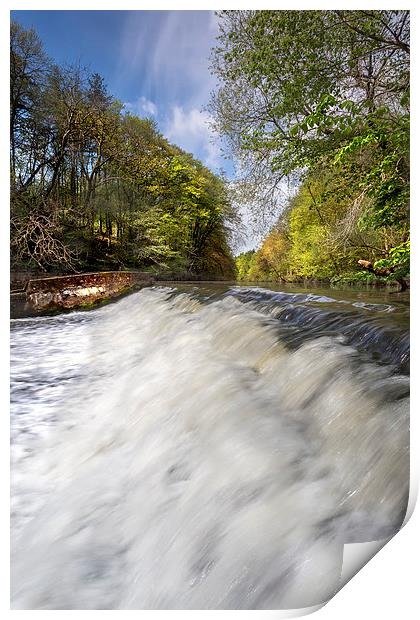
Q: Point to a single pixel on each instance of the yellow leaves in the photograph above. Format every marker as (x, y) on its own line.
(154, 189)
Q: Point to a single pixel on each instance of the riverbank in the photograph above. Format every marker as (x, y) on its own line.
(338, 282)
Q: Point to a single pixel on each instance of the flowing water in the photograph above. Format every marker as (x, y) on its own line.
(205, 447)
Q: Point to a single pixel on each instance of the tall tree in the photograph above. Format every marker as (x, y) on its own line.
(29, 69)
(298, 86)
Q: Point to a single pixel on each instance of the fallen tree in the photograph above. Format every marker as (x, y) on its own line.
(385, 271)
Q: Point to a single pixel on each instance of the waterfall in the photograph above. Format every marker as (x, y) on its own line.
(190, 448)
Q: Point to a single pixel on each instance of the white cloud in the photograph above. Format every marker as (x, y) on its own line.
(190, 130)
(167, 52)
(142, 107)
(165, 55)
(148, 106)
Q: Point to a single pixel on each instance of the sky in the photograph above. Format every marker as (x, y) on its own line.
(155, 62)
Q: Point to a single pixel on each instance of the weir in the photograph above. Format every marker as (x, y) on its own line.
(203, 447)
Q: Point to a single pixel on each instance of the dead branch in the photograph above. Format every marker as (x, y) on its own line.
(35, 237)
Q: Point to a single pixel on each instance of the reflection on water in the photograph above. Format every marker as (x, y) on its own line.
(205, 446)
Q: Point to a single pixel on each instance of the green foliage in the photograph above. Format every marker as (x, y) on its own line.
(383, 152)
(308, 242)
(398, 261)
(358, 277)
(286, 78)
(323, 95)
(123, 195)
(243, 264)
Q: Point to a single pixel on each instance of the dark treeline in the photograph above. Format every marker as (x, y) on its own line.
(95, 187)
(323, 96)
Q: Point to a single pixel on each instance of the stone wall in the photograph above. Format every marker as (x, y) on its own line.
(81, 289)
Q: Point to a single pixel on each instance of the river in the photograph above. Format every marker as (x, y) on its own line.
(205, 446)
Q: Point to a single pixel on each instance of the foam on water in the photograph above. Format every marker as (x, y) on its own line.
(171, 454)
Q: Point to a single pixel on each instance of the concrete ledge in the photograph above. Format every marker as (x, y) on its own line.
(82, 289)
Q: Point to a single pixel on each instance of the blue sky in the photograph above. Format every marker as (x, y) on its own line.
(155, 62)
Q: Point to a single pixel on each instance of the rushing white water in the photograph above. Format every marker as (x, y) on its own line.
(174, 454)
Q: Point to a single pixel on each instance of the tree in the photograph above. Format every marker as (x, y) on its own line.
(308, 92)
(95, 187)
(299, 85)
(29, 69)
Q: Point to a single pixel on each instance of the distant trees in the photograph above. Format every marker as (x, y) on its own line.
(92, 186)
(323, 95)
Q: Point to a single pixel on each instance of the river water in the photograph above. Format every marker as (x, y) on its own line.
(205, 446)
